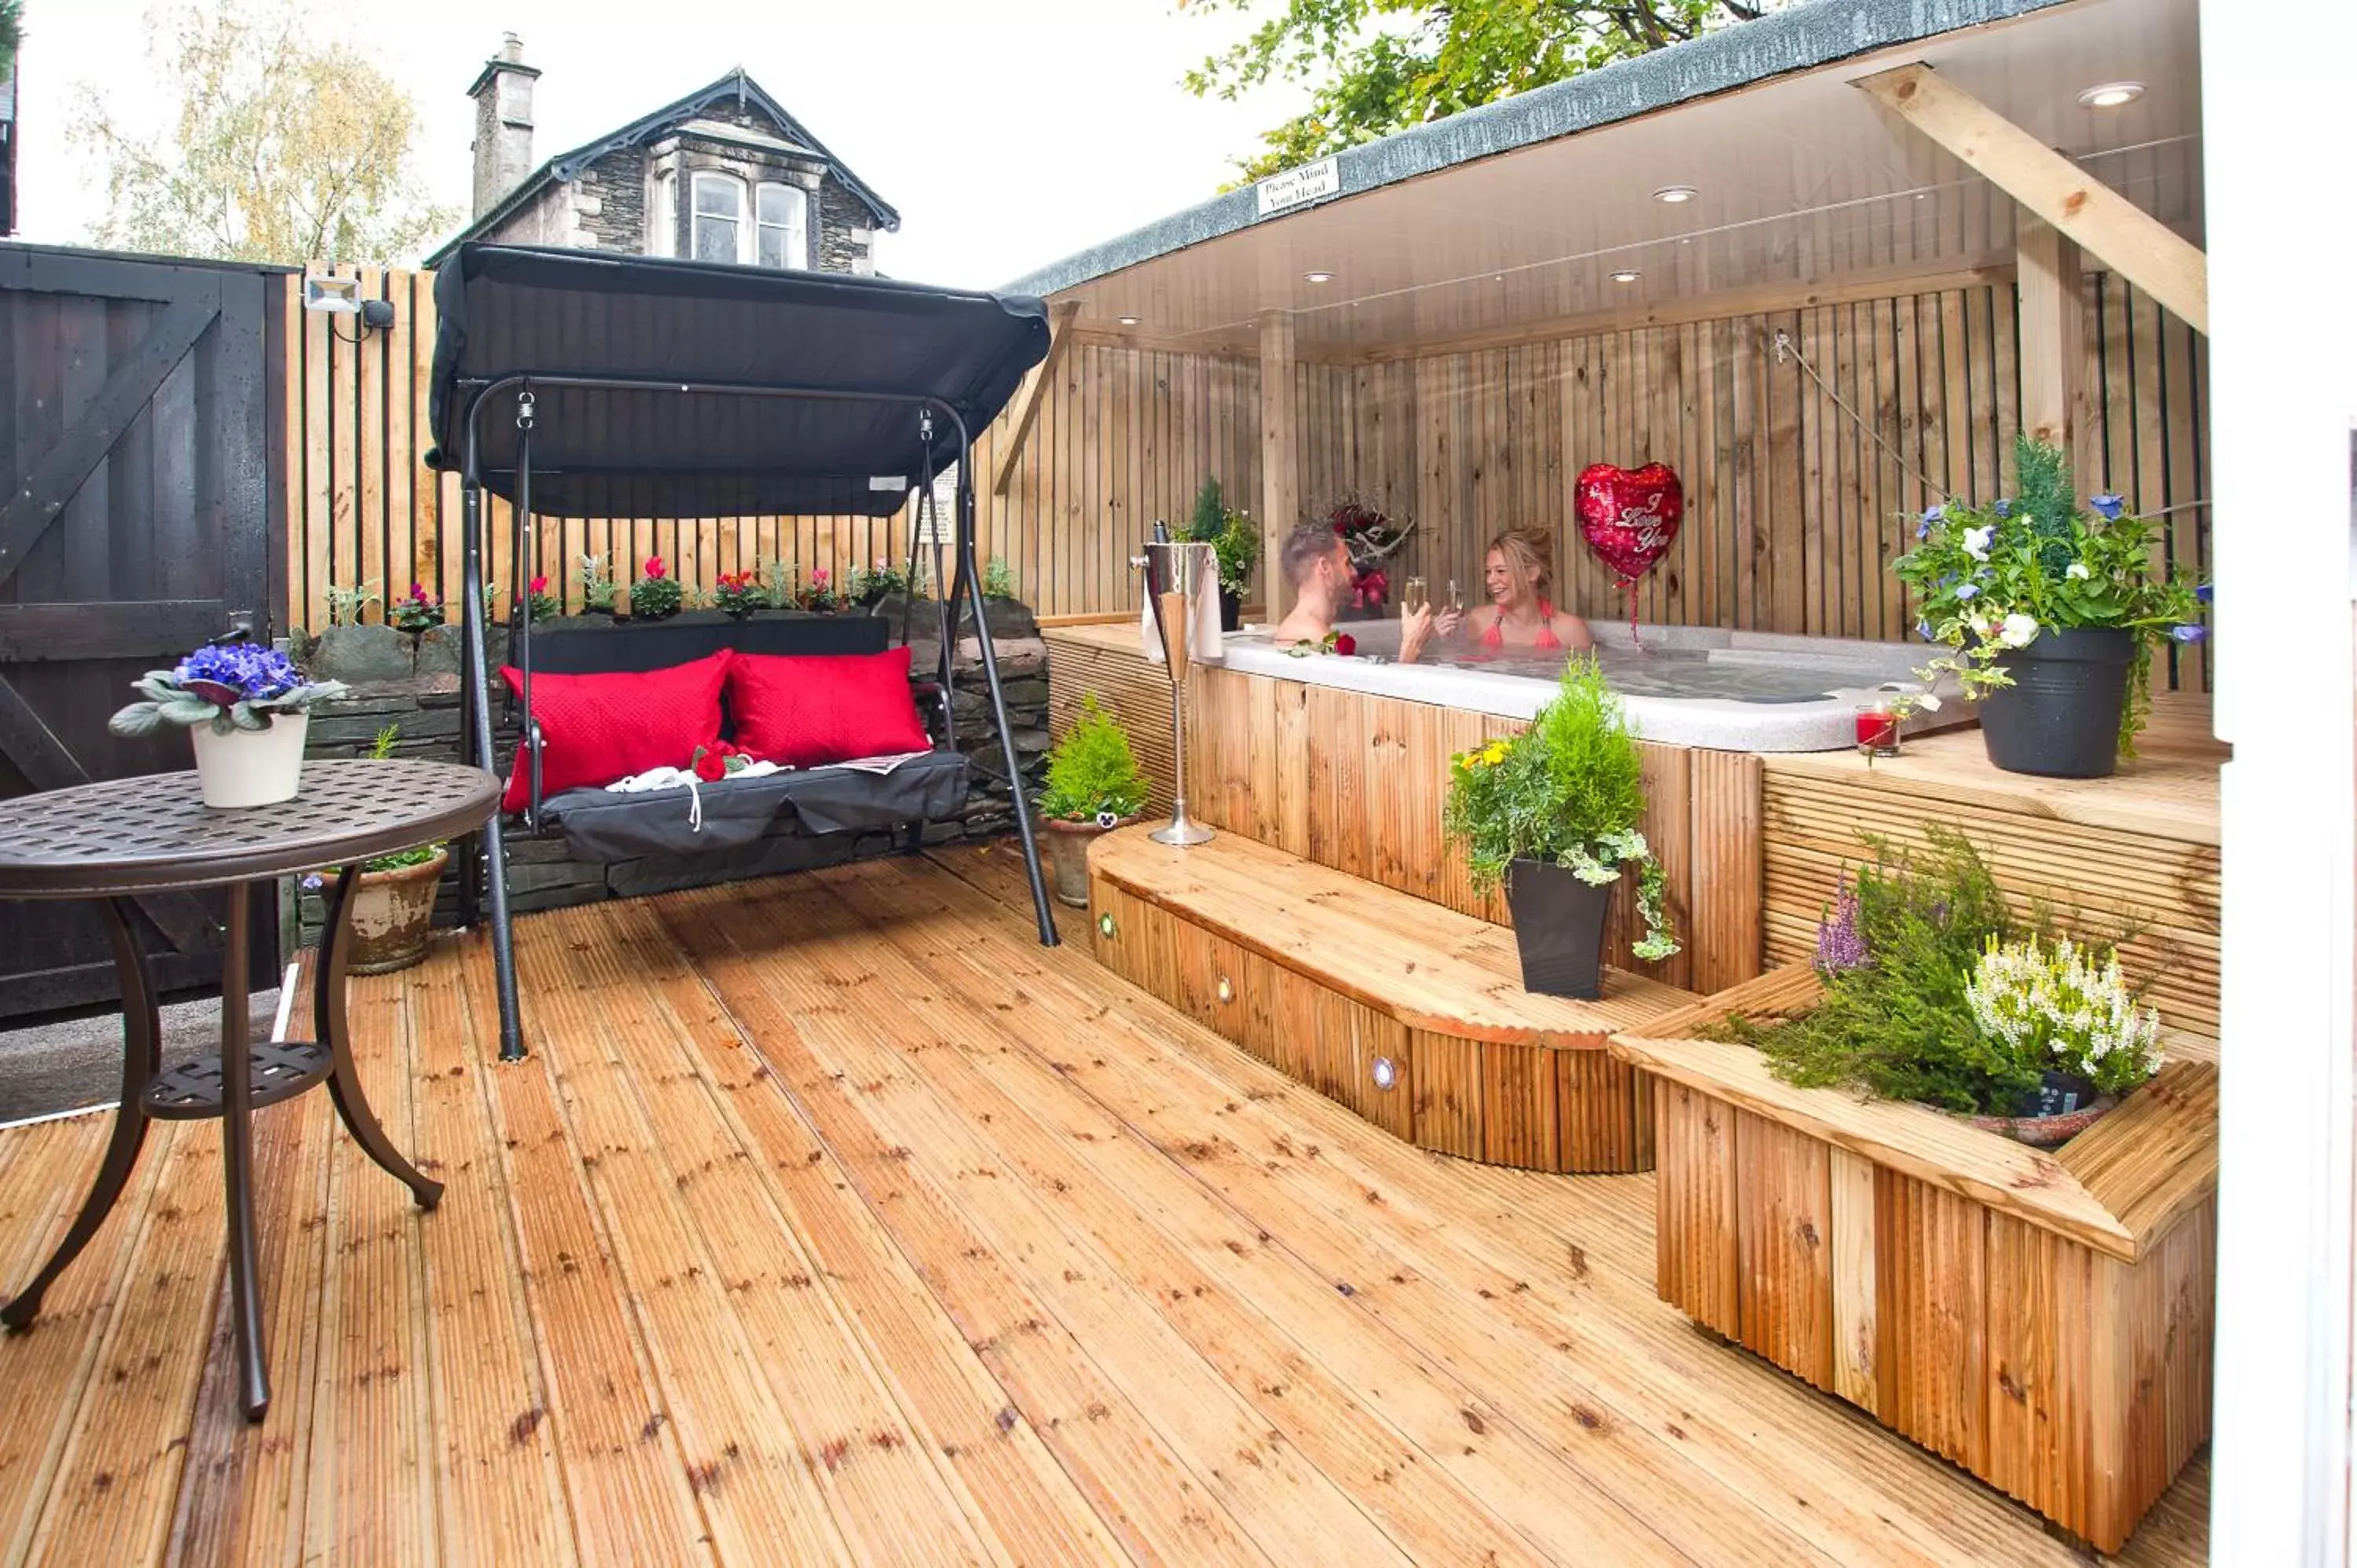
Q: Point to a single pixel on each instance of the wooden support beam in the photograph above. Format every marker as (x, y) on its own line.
(2110, 227)
(2053, 338)
(1060, 336)
(1280, 447)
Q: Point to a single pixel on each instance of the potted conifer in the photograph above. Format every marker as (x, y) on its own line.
(1094, 786)
(1553, 813)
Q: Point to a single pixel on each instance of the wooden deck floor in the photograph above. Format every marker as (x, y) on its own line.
(833, 1220)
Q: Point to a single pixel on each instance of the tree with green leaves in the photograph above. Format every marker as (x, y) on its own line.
(12, 33)
(276, 147)
(1381, 65)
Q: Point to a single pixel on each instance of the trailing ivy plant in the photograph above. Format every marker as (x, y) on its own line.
(1568, 790)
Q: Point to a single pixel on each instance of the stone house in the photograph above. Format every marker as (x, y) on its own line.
(723, 174)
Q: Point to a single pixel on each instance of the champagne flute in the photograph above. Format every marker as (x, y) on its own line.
(1456, 599)
(1413, 596)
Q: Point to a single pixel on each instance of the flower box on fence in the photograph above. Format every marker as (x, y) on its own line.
(2043, 1318)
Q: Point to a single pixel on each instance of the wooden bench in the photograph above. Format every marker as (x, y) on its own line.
(1410, 1013)
(2043, 1319)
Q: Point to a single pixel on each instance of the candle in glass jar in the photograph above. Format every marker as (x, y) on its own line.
(1877, 730)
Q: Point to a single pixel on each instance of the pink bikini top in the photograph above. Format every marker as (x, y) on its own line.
(1496, 635)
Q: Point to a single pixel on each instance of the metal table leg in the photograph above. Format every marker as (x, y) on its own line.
(344, 1081)
(142, 1060)
(237, 1155)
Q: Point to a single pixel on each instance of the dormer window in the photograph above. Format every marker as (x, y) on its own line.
(782, 234)
(775, 231)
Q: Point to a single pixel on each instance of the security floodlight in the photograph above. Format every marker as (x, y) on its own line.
(336, 296)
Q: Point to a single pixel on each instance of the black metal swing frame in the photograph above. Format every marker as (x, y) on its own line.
(491, 865)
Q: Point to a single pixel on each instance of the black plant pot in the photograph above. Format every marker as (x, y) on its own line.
(1559, 928)
(1231, 610)
(2061, 717)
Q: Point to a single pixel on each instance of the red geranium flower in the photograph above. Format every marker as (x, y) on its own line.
(1345, 644)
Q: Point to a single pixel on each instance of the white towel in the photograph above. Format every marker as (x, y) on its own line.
(673, 778)
(1203, 611)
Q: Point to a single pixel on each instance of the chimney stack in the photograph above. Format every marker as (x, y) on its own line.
(502, 96)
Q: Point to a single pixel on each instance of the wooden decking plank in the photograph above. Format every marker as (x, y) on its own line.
(860, 1036)
(371, 1487)
(875, 1469)
(243, 1495)
(1161, 1507)
(1641, 1356)
(624, 1477)
(761, 1498)
(45, 1373)
(1442, 1471)
(1006, 1479)
(494, 1454)
(111, 1498)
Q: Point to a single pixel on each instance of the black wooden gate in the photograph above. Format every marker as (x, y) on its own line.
(138, 405)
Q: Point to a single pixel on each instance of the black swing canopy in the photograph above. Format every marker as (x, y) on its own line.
(630, 451)
(576, 384)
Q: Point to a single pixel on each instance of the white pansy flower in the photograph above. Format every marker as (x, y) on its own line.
(1977, 540)
(2019, 630)
(2078, 572)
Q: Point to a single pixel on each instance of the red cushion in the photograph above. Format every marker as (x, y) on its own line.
(808, 710)
(597, 728)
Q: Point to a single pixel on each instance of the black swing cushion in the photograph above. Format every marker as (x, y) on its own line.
(601, 826)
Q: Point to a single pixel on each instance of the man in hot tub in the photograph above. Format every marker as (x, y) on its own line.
(1317, 564)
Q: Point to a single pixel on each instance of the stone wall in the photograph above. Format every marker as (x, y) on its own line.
(413, 684)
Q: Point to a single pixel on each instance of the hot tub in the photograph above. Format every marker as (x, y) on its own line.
(1693, 686)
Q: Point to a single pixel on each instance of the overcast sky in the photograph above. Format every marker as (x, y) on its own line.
(1007, 132)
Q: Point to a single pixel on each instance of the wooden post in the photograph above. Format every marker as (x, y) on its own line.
(1280, 447)
(2053, 338)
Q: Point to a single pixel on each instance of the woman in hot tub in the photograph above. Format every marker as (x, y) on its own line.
(1519, 617)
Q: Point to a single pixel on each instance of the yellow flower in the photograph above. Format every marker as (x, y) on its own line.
(1494, 753)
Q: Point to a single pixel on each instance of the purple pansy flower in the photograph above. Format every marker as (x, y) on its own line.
(1968, 592)
(2203, 593)
(2108, 505)
(2189, 632)
(2005, 508)
(1923, 630)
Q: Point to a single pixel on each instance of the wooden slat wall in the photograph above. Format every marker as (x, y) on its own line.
(361, 506)
(1792, 508)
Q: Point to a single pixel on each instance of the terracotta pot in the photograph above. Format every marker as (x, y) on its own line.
(393, 915)
(2047, 1132)
(1068, 856)
(251, 767)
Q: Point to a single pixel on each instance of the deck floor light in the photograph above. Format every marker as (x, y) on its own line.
(1673, 194)
(2111, 95)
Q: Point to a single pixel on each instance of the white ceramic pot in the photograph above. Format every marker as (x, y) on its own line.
(252, 768)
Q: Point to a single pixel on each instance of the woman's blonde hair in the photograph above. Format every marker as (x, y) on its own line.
(1530, 555)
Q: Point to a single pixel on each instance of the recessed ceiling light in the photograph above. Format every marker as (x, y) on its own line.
(1128, 320)
(1625, 276)
(1318, 277)
(2111, 95)
(1676, 193)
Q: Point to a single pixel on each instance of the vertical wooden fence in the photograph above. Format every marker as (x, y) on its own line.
(1801, 488)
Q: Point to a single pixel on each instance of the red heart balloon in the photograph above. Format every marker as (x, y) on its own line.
(1629, 516)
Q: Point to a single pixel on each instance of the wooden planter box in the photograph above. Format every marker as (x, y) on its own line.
(2043, 1319)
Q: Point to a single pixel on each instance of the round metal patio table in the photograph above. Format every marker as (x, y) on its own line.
(116, 841)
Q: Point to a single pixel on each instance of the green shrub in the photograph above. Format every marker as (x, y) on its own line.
(997, 580)
(1092, 775)
(1210, 514)
(415, 855)
(1568, 790)
(1238, 549)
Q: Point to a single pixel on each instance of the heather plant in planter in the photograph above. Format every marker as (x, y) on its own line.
(1095, 785)
(2051, 614)
(1554, 814)
(246, 709)
(1935, 991)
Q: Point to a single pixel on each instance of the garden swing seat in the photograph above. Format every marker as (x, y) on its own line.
(582, 385)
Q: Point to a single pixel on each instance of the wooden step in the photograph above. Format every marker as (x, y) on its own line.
(1410, 1013)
